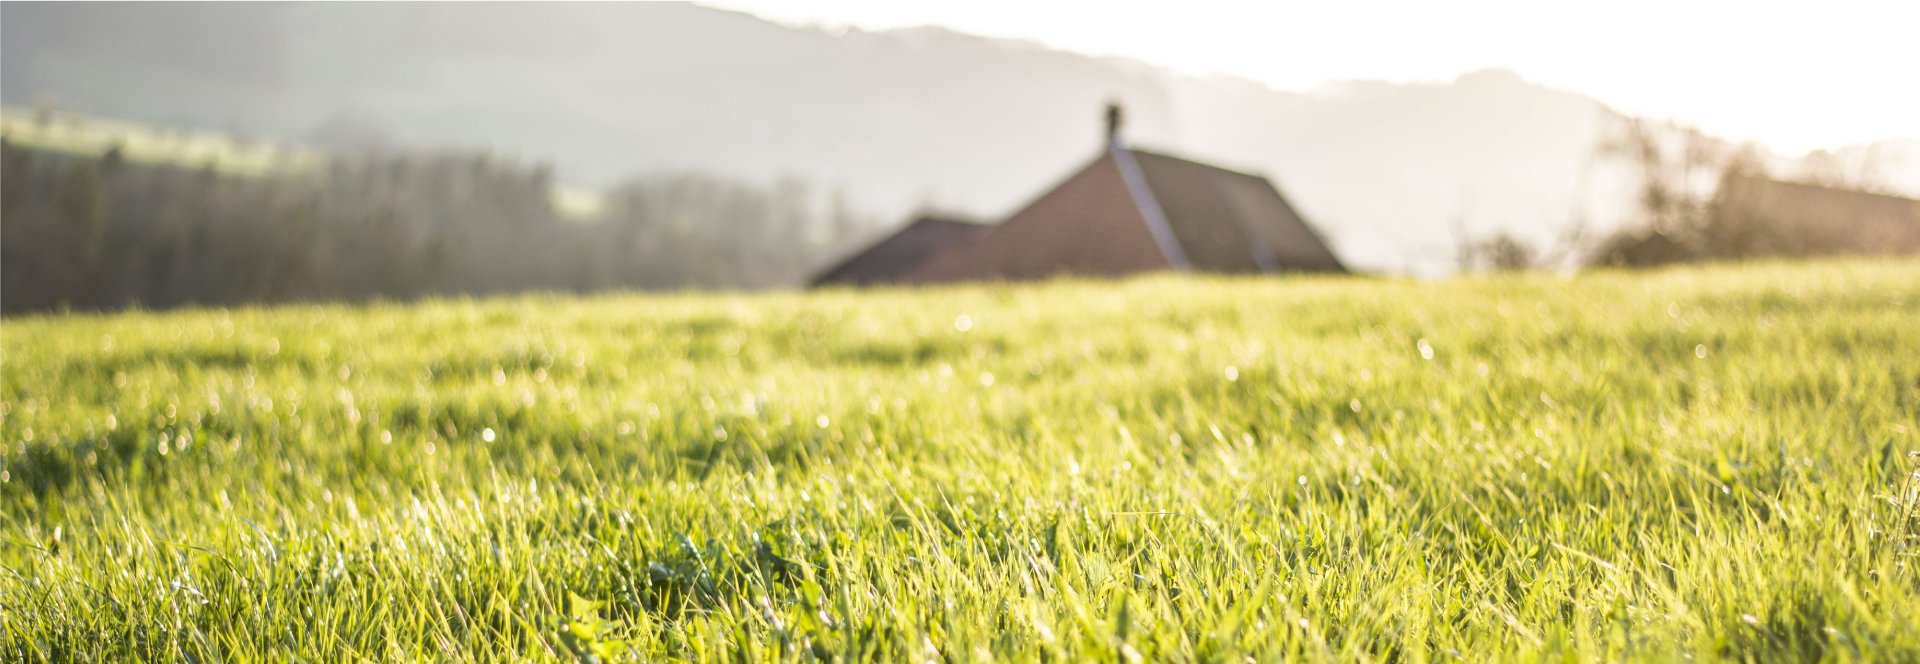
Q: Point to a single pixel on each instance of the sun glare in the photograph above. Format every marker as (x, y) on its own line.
(1790, 78)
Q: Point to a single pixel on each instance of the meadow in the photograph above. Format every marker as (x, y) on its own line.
(148, 144)
(1697, 464)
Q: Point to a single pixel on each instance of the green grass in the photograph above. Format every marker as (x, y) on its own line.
(148, 144)
(1705, 464)
(218, 152)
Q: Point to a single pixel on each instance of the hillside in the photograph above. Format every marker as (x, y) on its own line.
(898, 119)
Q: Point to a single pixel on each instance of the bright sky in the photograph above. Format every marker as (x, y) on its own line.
(1793, 75)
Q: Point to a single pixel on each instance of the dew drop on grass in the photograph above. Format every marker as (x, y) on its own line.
(822, 421)
(1700, 351)
(486, 435)
(1233, 374)
(386, 437)
(963, 323)
(1426, 351)
(1354, 404)
(986, 379)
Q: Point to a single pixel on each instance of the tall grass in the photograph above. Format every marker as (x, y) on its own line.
(1704, 464)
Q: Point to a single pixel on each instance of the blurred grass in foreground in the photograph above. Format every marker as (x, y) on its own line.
(1705, 463)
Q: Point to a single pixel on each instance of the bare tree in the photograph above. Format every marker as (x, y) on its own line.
(1679, 168)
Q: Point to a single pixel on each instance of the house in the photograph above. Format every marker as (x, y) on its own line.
(1757, 216)
(1128, 211)
(892, 258)
(1131, 211)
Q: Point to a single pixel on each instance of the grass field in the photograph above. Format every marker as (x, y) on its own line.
(149, 144)
(214, 151)
(1698, 464)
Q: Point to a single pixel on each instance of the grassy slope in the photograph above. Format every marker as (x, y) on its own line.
(148, 144)
(221, 153)
(1169, 468)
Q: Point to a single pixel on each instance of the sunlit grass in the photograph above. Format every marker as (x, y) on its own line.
(218, 152)
(1703, 463)
(148, 144)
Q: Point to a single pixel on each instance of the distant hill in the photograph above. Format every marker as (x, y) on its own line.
(899, 119)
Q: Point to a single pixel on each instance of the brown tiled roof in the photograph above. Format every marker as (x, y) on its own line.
(1205, 223)
(1291, 244)
(1214, 220)
(1088, 225)
(1762, 217)
(887, 260)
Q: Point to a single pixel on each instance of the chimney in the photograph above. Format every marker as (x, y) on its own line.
(1114, 118)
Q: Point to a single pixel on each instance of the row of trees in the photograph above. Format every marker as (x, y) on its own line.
(1703, 198)
(99, 232)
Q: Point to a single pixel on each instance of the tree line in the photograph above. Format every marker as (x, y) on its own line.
(1705, 199)
(1701, 198)
(98, 232)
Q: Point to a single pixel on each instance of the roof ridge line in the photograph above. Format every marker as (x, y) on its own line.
(1262, 252)
(1149, 206)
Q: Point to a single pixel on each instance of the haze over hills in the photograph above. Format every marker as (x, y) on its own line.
(1392, 174)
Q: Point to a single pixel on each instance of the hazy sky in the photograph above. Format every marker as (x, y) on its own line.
(1793, 75)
